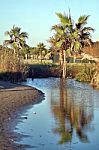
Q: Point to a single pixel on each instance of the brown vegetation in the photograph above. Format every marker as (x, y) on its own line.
(11, 66)
(93, 50)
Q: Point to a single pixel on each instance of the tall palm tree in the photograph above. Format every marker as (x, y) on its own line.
(61, 39)
(17, 38)
(71, 36)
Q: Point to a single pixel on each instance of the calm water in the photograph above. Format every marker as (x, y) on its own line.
(68, 118)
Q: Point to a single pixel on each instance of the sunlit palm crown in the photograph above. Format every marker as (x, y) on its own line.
(73, 35)
(17, 38)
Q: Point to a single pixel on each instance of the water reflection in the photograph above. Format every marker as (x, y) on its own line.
(73, 111)
(67, 118)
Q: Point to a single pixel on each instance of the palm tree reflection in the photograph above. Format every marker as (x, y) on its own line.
(70, 115)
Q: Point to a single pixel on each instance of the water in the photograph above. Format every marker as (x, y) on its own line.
(68, 117)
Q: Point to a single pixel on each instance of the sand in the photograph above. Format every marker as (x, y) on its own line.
(14, 99)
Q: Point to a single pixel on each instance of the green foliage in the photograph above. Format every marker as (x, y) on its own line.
(79, 71)
(69, 34)
(75, 69)
(65, 20)
(83, 19)
(17, 39)
(86, 74)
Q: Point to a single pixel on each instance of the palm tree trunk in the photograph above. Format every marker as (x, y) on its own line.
(41, 56)
(63, 63)
(74, 59)
(60, 58)
(26, 56)
(14, 50)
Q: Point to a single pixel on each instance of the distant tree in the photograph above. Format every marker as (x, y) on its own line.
(17, 39)
(41, 48)
(26, 51)
(34, 53)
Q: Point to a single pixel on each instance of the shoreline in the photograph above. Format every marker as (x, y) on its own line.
(14, 100)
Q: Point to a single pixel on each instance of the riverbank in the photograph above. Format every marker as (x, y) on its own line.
(13, 99)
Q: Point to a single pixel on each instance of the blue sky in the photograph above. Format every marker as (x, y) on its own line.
(37, 16)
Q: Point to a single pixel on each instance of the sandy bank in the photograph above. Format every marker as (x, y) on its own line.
(13, 98)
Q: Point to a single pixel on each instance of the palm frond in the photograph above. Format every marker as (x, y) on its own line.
(7, 33)
(83, 19)
(87, 29)
(86, 35)
(24, 34)
(55, 27)
(58, 29)
(7, 42)
(64, 19)
(15, 30)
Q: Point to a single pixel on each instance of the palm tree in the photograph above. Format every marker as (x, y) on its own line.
(53, 49)
(84, 35)
(25, 51)
(41, 48)
(34, 53)
(61, 39)
(17, 39)
(70, 36)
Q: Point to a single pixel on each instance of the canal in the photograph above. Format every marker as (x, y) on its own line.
(67, 118)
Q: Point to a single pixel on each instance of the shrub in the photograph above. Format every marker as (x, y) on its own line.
(11, 66)
(86, 74)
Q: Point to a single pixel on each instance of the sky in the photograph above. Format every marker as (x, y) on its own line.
(36, 17)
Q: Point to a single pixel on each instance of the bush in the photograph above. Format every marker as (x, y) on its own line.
(74, 70)
(43, 70)
(86, 74)
(11, 67)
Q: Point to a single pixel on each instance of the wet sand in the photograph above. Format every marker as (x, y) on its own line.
(13, 100)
